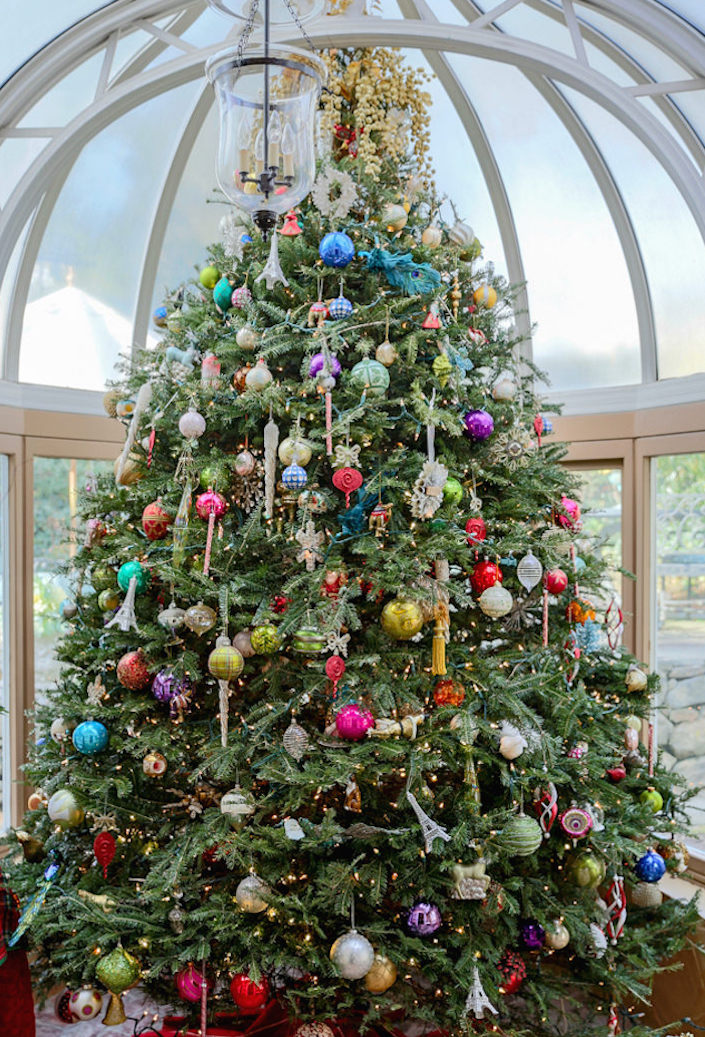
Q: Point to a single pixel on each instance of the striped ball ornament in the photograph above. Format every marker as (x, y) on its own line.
(522, 835)
(225, 662)
(294, 477)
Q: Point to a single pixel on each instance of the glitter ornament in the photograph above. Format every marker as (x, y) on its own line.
(533, 935)
(336, 249)
(449, 692)
(557, 935)
(200, 618)
(64, 810)
(250, 997)
(85, 1004)
(295, 740)
(484, 575)
(651, 867)
(90, 737)
(294, 477)
(353, 955)
(495, 601)
(118, 971)
(244, 464)
(133, 570)
(156, 521)
(225, 662)
(452, 491)
(521, 835)
(154, 764)
(317, 365)
(132, 671)
(192, 425)
(479, 425)
(555, 581)
(294, 450)
(402, 619)
(340, 308)
(209, 277)
(575, 822)
(241, 297)
(635, 679)
(247, 337)
(423, 919)
(646, 894)
(476, 530)
(513, 970)
(190, 982)
(529, 571)
(265, 639)
(370, 376)
(485, 295)
(249, 894)
(352, 722)
(238, 807)
(381, 976)
(258, 377)
(586, 869)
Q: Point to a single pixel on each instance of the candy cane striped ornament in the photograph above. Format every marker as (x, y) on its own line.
(546, 807)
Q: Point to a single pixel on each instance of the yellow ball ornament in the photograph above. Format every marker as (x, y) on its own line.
(382, 975)
(64, 810)
(225, 662)
(386, 354)
(485, 295)
(294, 451)
(401, 619)
(394, 217)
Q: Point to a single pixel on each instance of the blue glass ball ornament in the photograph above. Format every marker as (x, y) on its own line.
(246, 239)
(133, 568)
(90, 737)
(159, 316)
(222, 294)
(340, 308)
(336, 249)
(294, 477)
(651, 867)
(547, 425)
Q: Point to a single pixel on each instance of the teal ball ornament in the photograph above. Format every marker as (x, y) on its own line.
(371, 376)
(336, 249)
(521, 836)
(133, 568)
(223, 294)
(90, 737)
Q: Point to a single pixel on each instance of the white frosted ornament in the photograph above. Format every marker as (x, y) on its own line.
(432, 236)
(352, 955)
(495, 601)
(598, 941)
(247, 337)
(557, 935)
(529, 571)
(85, 1004)
(249, 893)
(258, 376)
(394, 216)
(294, 450)
(511, 742)
(461, 234)
(192, 425)
(58, 730)
(171, 618)
(504, 389)
(237, 806)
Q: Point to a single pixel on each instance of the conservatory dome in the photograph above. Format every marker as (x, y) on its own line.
(569, 133)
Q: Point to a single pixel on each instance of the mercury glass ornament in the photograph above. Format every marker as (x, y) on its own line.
(172, 618)
(64, 810)
(242, 642)
(192, 425)
(386, 353)
(247, 337)
(176, 920)
(294, 450)
(529, 571)
(495, 601)
(586, 869)
(423, 919)
(353, 955)
(635, 679)
(237, 806)
(258, 376)
(295, 740)
(249, 894)
(244, 463)
(200, 618)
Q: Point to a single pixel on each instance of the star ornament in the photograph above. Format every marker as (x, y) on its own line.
(310, 542)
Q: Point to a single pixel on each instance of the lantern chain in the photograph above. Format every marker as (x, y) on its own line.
(294, 14)
(247, 30)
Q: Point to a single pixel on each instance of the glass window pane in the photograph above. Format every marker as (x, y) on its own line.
(57, 482)
(16, 156)
(601, 504)
(678, 604)
(68, 97)
(24, 34)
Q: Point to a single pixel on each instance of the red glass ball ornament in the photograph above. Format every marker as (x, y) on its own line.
(189, 982)
(156, 521)
(617, 774)
(449, 692)
(513, 970)
(484, 575)
(555, 581)
(476, 529)
(249, 996)
(211, 503)
(132, 671)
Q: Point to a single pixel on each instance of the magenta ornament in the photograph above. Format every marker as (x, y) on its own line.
(533, 935)
(211, 503)
(353, 722)
(318, 362)
(189, 982)
(166, 686)
(423, 919)
(479, 424)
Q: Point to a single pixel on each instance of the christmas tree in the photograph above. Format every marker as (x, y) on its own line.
(342, 740)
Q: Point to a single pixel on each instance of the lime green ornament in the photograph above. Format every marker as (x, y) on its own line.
(265, 639)
(118, 971)
(131, 569)
(521, 836)
(213, 476)
(586, 869)
(453, 491)
(442, 368)
(309, 641)
(653, 799)
(209, 277)
(103, 577)
(108, 600)
(370, 376)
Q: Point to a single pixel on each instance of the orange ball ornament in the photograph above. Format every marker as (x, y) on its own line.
(579, 611)
(156, 521)
(449, 692)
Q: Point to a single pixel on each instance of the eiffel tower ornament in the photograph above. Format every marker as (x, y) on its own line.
(477, 1000)
(431, 829)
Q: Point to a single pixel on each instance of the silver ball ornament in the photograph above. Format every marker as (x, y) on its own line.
(249, 893)
(353, 955)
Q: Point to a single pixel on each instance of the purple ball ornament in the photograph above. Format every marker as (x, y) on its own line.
(318, 362)
(166, 685)
(423, 919)
(479, 424)
(353, 722)
(533, 935)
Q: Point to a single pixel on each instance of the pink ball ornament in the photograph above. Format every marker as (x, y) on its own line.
(189, 982)
(353, 722)
(571, 519)
(241, 297)
(209, 503)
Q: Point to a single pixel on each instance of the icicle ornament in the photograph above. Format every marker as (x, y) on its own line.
(271, 442)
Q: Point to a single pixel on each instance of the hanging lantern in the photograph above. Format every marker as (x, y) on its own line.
(267, 101)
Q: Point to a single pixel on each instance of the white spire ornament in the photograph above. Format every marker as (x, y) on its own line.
(125, 618)
(430, 828)
(271, 441)
(272, 272)
(477, 1000)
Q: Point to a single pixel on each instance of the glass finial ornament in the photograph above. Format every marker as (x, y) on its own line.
(267, 100)
(529, 571)
(295, 740)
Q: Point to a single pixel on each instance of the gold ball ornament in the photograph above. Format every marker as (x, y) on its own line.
(64, 810)
(401, 619)
(386, 354)
(382, 975)
(635, 679)
(557, 935)
(495, 601)
(154, 764)
(249, 894)
(432, 236)
(394, 217)
(293, 450)
(485, 295)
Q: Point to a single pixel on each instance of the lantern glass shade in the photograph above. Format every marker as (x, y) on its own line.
(279, 13)
(283, 126)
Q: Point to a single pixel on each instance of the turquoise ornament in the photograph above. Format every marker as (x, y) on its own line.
(371, 376)
(90, 737)
(222, 294)
(402, 272)
(129, 569)
(336, 249)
